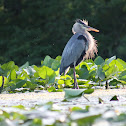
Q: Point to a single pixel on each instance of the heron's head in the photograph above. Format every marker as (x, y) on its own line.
(81, 26)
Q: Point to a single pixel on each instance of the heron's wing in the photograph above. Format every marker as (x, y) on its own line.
(73, 50)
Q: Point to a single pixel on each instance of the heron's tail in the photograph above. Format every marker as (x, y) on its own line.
(64, 70)
(61, 70)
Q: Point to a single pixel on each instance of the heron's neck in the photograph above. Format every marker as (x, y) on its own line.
(85, 33)
(88, 36)
(92, 45)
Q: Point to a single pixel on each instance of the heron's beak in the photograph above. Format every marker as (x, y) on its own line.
(92, 29)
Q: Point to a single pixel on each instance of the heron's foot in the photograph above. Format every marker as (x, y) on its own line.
(76, 86)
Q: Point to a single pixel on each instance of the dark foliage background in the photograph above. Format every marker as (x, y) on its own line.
(32, 29)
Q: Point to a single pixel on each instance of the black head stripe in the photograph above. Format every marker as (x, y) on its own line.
(79, 21)
(81, 37)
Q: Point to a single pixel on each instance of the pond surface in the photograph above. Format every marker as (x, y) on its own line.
(106, 109)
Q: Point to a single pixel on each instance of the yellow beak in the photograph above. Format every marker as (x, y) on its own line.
(92, 29)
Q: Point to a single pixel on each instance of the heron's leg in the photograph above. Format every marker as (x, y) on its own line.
(75, 80)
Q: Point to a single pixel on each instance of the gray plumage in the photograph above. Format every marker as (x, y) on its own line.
(80, 46)
(74, 46)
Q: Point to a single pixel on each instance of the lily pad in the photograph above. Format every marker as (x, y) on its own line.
(72, 93)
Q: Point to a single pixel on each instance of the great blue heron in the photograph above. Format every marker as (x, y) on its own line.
(81, 46)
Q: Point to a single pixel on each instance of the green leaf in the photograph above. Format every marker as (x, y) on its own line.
(36, 74)
(55, 65)
(8, 66)
(20, 83)
(99, 60)
(58, 58)
(43, 72)
(30, 70)
(60, 81)
(105, 67)
(122, 76)
(66, 77)
(121, 117)
(13, 74)
(114, 82)
(19, 107)
(83, 65)
(83, 72)
(87, 121)
(88, 91)
(111, 71)
(100, 101)
(107, 61)
(114, 98)
(123, 63)
(18, 116)
(51, 89)
(6, 114)
(79, 109)
(47, 73)
(68, 82)
(59, 90)
(99, 73)
(17, 83)
(118, 65)
(52, 77)
(25, 65)
(76, 108)
(1, 71)
(30, 85)
(5, 81)
(36, 122)
(65, 100)
(82, 82)
(47, 61)
(23, 75)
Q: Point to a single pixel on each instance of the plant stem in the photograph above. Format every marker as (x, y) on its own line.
(99, 82)
(107, 84)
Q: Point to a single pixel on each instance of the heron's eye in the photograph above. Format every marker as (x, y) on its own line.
(84, 25)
